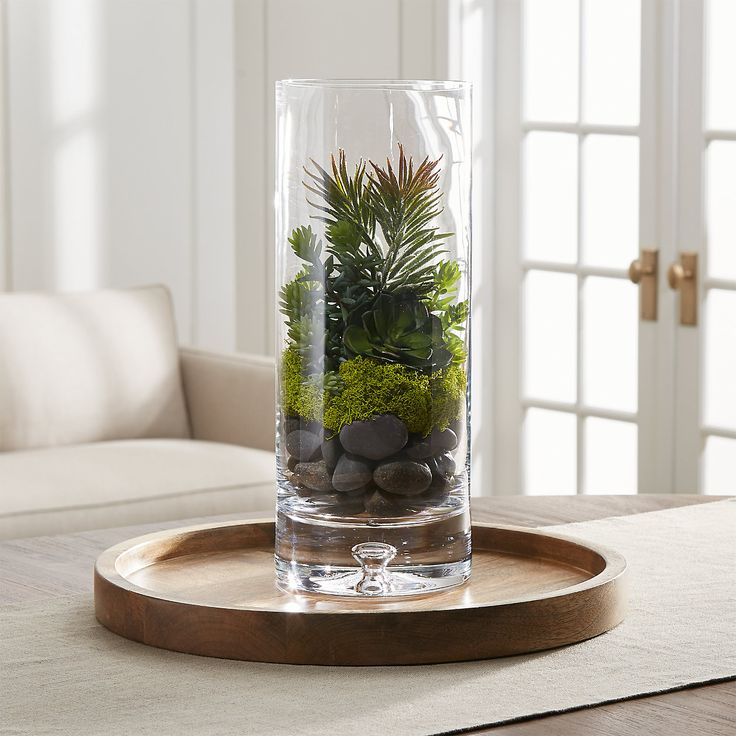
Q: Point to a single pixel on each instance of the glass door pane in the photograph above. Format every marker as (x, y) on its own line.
(610, 344)
(720, 52)
(610, 200)
(551, 40)
(611, 68)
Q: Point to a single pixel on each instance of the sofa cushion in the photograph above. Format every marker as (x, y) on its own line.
(67, 489)
(88, 367)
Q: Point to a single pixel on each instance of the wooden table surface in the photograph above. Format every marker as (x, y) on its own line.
(46, 567)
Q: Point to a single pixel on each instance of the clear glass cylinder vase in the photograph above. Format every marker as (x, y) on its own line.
(373, 275)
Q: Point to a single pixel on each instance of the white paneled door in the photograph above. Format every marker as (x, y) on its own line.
(616, 134)
(706, 356)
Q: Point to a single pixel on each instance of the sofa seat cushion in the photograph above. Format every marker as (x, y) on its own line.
(81, 487)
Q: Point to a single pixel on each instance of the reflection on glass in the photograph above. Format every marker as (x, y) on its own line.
(721, 209)
(551, 60)
(610, 337)
(610, 456)
(550, 329)
(612, 42)
(550, 197)
(550, 453)
(719, 466)
(720, 49)
(720, 359)
(610, 195)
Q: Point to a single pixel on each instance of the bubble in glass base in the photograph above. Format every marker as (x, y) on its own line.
(369, 558)
(348, 581)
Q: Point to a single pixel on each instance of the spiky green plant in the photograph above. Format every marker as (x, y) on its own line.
(405, 204)
(377, 288)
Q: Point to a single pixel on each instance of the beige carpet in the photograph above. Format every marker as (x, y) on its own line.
(62, 673)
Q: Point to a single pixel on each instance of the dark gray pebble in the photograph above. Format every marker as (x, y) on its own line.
(314, 476)
(375, 438)
(303, 445)
(442, 439)
(403, 477)
(439, 485)
(290, 424)
(351, 473)
(331, 450)
(442, 465)
(380, 503)
(344, 504)
(315, 428)
(418, 448)
(437, 492)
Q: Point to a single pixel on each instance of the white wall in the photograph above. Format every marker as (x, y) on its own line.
(4, 193)
(140, 139)
(120, 140)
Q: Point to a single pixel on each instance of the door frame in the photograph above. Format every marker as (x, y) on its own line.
(689, 236)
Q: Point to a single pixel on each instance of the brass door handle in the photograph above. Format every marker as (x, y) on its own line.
(643, 271)
(682, 276)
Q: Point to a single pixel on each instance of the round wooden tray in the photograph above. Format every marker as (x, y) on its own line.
(210, 590)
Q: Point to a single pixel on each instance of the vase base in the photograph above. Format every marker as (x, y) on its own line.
(398, 581)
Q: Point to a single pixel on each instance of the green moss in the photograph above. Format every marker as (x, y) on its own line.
(298, 397)
(372, 387)
(449, 388)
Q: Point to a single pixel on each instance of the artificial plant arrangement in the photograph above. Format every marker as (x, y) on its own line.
(373, 373)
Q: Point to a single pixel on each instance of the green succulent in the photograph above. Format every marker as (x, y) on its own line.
(330, 381)
(399, 329)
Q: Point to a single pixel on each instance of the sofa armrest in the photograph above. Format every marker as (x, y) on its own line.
(230, 397)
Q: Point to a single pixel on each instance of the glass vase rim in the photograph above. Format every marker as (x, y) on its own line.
(407, 85)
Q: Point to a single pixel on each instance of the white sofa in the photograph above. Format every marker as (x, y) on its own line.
(105, 421)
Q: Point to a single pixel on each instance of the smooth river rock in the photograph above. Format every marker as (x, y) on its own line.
(331, 450)
(403, 477)
(314, 476)
(380, 503)
(438, 490)
(375, 438)
(342, 504)
(418, 448)
(443, 465)
(438, 441)
(303, 445)
(291, 424)
(442, 439)
(351, 473)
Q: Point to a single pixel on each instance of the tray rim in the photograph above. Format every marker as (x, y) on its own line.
(106, 571)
